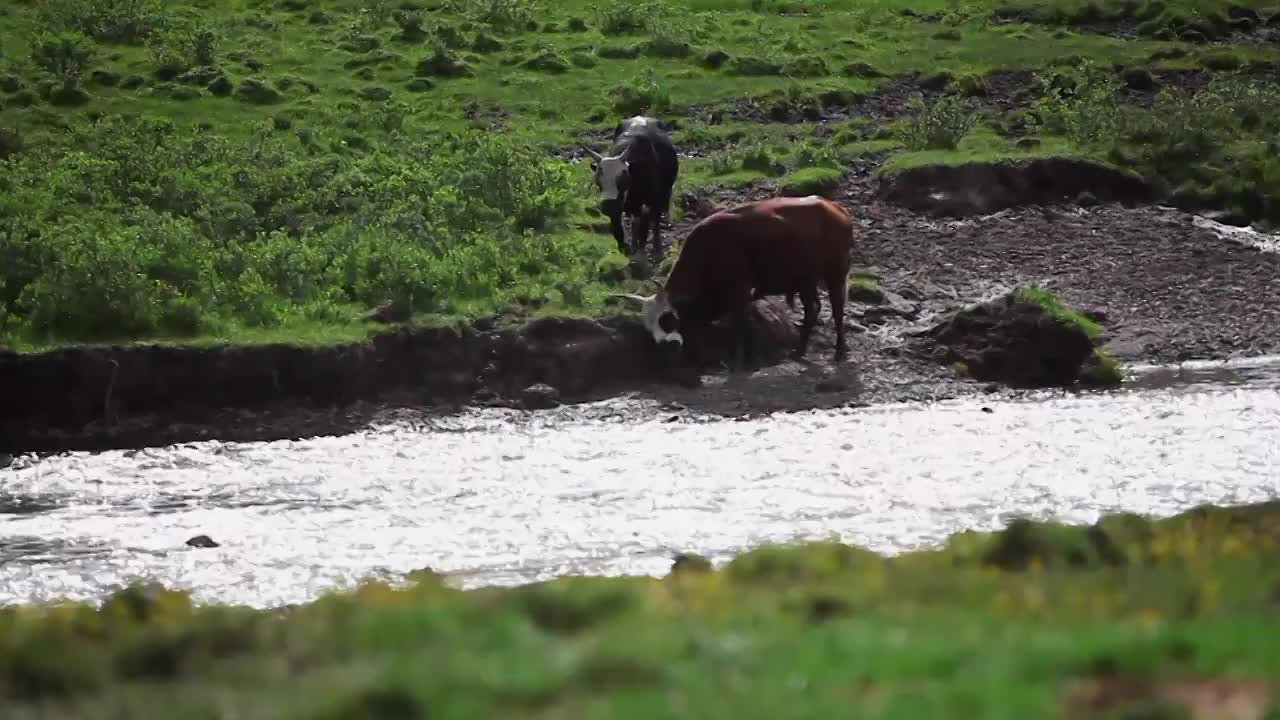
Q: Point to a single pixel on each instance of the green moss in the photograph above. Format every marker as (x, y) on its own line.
(812, 181)
(1056, 309)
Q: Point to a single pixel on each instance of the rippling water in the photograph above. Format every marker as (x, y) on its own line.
(618, 488)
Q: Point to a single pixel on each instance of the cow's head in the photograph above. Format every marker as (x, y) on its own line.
(611, 175)
(659, 317)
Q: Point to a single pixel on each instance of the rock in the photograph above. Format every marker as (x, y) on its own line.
(540, 397)
(867, 294)
(105, 78)
(183, 92)
(418, 85)
(689, 562)
(200, 76)
(257, 92)
(547, 62)
(132, 82)
(68, 97)
(221, 86)
(11, 83)
(375, 94)
(1086, 199)
(1012, 341)
(359, 44)
(202, 541)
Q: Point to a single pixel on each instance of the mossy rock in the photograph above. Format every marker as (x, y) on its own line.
(105, 78)
(618, 52)
(754, 67)
(971, 85)
(375, 94)
(11, 83)
(583, 60)
(221, 86)
(936, 81)
(132, 82)
(361, 44)
(1138, 79)
(1222, 60)
(807, 68)
(184, 93)
(812, 181)
(577, 24)
(863, 70)
(442, 64)
(486, 43)
(65, 96)
(949, 35)
(715, 59)
(419, 85)
(547, 61)
(257, 92)
(22, 99)
(11, 142)
(665, 48)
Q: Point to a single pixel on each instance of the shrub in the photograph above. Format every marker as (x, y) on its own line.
(939, 125)
(121, 21)
(624, 17)
(501, 15)
(642, 94)
(65, 55)
(141, 228)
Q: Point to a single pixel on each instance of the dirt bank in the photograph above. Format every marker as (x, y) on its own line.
(1164, 289)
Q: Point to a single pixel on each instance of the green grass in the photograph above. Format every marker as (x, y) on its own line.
(332, 156)
(1104, 370)
(989, 625)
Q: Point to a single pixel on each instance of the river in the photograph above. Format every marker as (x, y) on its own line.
(502, 497)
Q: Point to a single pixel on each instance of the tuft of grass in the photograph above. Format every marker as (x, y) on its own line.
(1001, 623)
(1056, 309)
(812, 181)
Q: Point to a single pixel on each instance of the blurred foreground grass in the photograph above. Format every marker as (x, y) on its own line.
(1038, 620)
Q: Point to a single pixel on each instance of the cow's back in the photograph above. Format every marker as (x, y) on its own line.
(791, 240)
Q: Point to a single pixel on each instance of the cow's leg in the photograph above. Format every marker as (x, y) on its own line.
(809, 298)
(639, 230)
(837, 287)
(615, 227)
(741, 324)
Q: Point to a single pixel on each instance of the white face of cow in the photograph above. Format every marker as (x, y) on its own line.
(659, 317)
(608, 171)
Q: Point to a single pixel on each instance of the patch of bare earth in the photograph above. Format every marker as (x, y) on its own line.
(1199, 699)
(1167, 290)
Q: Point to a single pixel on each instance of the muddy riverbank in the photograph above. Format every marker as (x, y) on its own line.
(1164, 286)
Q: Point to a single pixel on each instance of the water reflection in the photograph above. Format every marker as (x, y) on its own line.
(503, 497)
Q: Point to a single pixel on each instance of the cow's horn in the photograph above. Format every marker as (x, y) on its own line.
(592, 153)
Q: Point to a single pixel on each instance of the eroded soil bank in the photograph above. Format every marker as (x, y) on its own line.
(1164, 288)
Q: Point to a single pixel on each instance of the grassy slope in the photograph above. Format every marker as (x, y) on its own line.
(291, 45)
(1001, 625)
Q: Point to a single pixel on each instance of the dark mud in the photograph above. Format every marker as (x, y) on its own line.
(981, 188)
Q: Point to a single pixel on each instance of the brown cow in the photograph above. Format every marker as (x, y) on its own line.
(777, 246)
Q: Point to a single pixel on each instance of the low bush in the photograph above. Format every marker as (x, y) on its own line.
(936, 125)
(147, 229)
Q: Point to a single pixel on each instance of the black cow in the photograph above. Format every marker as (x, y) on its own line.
(636, 178)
